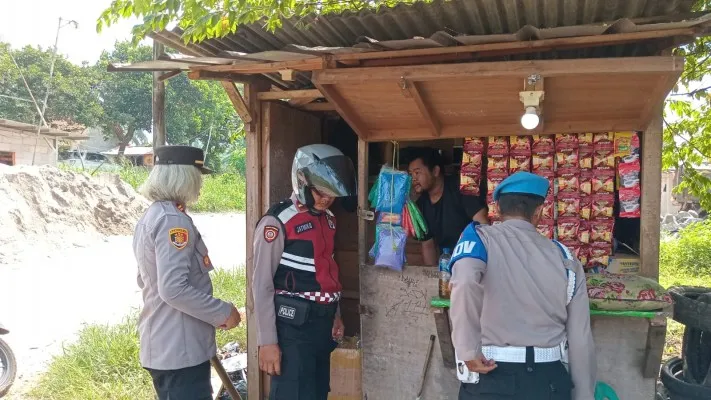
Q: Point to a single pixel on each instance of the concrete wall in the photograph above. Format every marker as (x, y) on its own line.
(23, 145)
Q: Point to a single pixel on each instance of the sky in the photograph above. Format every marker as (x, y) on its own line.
(34, 22)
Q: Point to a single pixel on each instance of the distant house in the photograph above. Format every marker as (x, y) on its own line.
(20, 143)
(138, 155)
(674, 202)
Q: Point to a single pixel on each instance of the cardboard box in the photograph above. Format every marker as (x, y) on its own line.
(346, 372)
(625, 264)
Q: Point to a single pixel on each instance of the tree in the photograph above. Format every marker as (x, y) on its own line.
(687, 133)
(72, 98)
(198, 113)
(217, 18)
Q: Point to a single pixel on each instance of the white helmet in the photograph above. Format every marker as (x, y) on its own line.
(324, 168)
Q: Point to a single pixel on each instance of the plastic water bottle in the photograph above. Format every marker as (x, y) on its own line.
(445, 274)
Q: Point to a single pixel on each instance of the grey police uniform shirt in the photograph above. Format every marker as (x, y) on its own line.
(177, 323)
(518, 298)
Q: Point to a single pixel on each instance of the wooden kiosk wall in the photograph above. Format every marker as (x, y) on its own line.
(393, 308)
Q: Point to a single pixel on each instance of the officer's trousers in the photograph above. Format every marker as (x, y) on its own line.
(514, 381)
(191, 383)
(305, 358)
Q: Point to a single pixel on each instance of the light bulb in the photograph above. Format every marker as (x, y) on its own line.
(530, 119)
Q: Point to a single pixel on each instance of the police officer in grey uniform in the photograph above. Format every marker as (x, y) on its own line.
(516, 297)
(178, 320)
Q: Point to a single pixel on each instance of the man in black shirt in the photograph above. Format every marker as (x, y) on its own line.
(445, 210)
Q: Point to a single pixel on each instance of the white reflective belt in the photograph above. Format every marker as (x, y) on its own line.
(518, 354)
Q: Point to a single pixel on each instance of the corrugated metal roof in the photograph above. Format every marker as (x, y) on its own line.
(453, 18)
(31, 129)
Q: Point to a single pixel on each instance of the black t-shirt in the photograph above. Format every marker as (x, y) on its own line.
(447, 218)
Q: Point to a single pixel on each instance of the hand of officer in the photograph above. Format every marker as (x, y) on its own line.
(270, 359)
(338, 328)
(233, 320)
(481, 365)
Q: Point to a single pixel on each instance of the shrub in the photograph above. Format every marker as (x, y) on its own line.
(687, 257)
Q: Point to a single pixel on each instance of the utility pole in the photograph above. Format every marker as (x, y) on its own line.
(49, 81)
(158, 102)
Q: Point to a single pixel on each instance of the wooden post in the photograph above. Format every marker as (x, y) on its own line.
(253, 131)
(651, 197)
(362, 200)
(158, 101)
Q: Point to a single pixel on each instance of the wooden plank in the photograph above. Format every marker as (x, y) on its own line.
(651, 179)
(158, 102)
(220, 76)
(654, 348)
(533, 45)
(656, 99)
(396, 324)
(309, 64)
(290, 94)
(318, 107)
(254, 212)
(444, 334)
(362, 199)
(344, 109)
(425, 109)
(164, 77)
(238, 102)
(546, 68)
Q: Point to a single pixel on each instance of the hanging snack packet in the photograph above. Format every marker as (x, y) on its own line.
(474, 145)
(567, 159)
(603, 184)
(584, 232)
(629, 174)
(497, 164)
(469, 183)
(568, 229)
(550, 175)
(568, 182)
(520, 145)
(548, 210)
(573, 246)
(546, 227)
(630, 203)
(627, 146)
(543, 143)
(601, 231)
(604, 141)
(519, 162)
(604, 159)
(600, 254)
(498, 145)
(566, 141)
(586, 207)
(493, 209)
(603, 206)
(586, 159)
(586, 185)
(584, 254)
(471, 162)
(568, 207)
(493, 181)
(585, 142)
(543, 161)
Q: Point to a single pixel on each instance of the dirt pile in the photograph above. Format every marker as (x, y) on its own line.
(45, 208)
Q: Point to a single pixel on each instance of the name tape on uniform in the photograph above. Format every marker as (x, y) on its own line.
(178, 237)
(287, 312)
(304, 227)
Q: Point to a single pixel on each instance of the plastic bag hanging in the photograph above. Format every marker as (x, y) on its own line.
(393, 189)
(389, 248)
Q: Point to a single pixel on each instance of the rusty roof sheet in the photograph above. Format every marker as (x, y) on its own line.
(438, 19)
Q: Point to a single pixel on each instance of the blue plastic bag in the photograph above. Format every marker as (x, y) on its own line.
(393, 190)
(389, 248)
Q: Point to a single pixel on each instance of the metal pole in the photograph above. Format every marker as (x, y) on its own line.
(158, 102)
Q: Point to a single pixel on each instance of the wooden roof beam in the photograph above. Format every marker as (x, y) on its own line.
(168, 75)
(309, 64)
(290, 94)
(344, 109)
(411, 90)
(317, 107)
(237, 101)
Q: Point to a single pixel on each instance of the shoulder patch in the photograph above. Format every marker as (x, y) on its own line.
(469, 245)
(179, 237)
(271, 233)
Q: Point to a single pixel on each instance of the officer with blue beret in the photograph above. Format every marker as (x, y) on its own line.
(519, 306)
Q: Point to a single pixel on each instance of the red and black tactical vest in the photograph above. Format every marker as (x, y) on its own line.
(307, 267)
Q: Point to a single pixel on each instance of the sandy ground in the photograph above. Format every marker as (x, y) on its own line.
(45, 301)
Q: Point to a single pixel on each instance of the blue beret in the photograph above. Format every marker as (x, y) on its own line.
(522, 183)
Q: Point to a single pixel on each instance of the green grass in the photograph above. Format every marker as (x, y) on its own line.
(684, 261)
(103, 362)
(220, 192)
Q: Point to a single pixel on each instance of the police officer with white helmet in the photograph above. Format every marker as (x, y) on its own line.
(516, 297)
